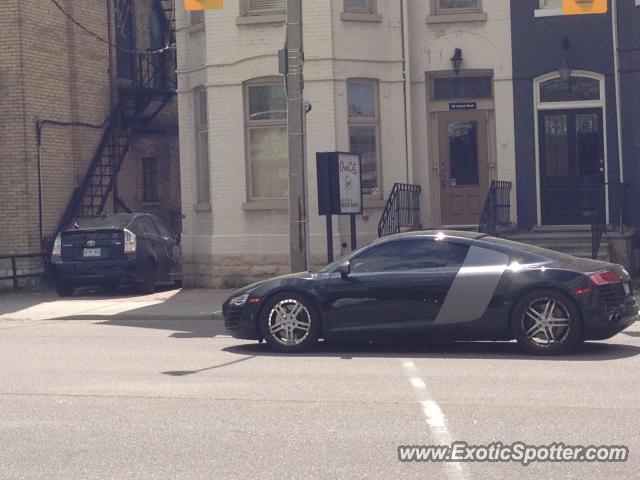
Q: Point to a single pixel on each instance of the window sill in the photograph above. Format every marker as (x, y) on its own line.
(547, 12)
(202, 207)
(258, 19)
(257, 205)
(457, 17)
(361, 17)
(150, 204)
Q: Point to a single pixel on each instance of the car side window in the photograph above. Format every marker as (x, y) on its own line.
(164, 231)
(410, 254)
(145, 225)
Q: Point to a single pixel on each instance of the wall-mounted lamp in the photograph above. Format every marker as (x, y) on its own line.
(564, 70)
(456, 61)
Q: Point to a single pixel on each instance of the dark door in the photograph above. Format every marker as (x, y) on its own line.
(464, 166)
(397, 286)
(571, 165)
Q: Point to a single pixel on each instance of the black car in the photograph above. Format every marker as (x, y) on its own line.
(110, 250)
(440, 285)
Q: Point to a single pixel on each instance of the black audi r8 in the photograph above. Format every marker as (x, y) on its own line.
(440, 285)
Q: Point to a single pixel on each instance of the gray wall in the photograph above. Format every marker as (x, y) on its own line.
(537, 49)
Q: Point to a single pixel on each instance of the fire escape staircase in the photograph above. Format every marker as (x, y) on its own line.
(137, 106)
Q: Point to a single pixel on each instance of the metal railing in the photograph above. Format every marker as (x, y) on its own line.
(157, 70)
(402, 210)
(15, 269)
(616, 194)
(496, 214)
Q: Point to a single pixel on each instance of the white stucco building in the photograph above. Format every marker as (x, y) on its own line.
(409, 129)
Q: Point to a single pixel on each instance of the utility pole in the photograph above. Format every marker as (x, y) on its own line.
(298, 214)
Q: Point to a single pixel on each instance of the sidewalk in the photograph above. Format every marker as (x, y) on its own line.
(187, 304)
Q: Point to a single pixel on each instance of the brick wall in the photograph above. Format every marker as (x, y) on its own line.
(53, 70)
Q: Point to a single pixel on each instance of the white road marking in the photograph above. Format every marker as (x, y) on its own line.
(417, 383)
(434, 417)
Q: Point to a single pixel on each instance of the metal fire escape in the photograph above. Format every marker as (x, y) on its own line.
(153, 87)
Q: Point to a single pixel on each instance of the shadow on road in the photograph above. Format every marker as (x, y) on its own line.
(590, 351)
(184, 373)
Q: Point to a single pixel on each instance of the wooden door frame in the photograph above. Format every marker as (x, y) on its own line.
(434, 107)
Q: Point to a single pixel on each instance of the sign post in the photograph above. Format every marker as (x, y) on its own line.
(339, 191)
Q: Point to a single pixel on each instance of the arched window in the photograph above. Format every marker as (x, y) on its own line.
(575, 89)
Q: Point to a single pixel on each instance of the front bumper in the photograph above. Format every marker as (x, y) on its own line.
(242, 321)
(103, 271)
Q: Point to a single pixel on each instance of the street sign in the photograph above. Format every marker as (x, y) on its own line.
(584, 7)
(203, 4)
(339, 183)
(339, 191)
(463, 106)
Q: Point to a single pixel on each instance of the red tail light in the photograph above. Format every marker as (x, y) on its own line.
(605, 278)
(130, 241)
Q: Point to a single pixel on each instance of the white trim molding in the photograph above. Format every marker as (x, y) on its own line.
(538, 106)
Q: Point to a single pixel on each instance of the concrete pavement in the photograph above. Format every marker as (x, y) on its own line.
(182, 304)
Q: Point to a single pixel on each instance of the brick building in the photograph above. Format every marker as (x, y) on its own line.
(69, 82)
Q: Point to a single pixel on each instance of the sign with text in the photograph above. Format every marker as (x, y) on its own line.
(339, 183)
(463, 106)
(350, 186)
(584, 7)
(203, 4)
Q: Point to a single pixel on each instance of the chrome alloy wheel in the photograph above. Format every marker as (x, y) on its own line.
(289, 322)
(546, 322)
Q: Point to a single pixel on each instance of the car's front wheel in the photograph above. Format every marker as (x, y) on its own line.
(547, 322)
(290, 323)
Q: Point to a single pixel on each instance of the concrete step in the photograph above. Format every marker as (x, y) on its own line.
(571, 240)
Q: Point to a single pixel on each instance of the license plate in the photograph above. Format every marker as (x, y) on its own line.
(627, 290)
(92, 252)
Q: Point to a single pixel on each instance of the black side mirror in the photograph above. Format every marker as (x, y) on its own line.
(345, 269)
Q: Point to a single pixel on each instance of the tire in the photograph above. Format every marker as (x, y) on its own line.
(64, 289)
(547, 322)
(290, 334)
(149, 279)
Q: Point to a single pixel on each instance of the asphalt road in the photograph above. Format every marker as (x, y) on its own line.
(93, 399)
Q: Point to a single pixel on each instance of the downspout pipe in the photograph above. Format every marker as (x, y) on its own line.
(406, 74)
(616, 63)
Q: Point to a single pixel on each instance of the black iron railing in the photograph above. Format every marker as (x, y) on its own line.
(616, 194)
(496, 214)
(402, 210)
(157, 70)
(20, 271)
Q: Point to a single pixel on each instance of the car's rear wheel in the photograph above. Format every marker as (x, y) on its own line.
(547, 322)
(290, 323)
(64, 289)
(149, 279)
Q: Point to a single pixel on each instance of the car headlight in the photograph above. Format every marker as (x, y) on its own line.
(240, 300)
